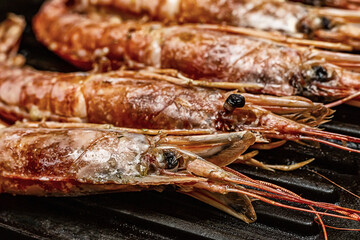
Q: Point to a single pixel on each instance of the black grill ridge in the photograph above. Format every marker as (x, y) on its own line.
(170, 215)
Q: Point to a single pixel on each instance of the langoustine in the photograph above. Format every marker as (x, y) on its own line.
(139, 100)
(45, 161)
(84, 39)
(147, 99)
(293, 19)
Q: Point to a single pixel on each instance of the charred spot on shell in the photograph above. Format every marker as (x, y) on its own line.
(320, 73)
(171, 159)
(234, 101)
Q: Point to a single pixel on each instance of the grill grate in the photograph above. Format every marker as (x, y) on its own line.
(169, 215)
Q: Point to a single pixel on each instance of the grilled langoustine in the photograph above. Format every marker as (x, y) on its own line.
(146, 100)
(46, 161)
(293, 19)
(85, 38)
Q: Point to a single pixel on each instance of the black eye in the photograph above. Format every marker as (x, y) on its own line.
(171, 159)
(326, 23)
(320, 73)
(234, 101)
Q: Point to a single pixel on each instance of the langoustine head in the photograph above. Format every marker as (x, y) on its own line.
(327, 82)
(89, 160)
(89, 153)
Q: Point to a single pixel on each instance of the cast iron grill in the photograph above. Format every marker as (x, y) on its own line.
(170, 215)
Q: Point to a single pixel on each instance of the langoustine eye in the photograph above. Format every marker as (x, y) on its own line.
(326, 23)
(171, 160)
(320, 73)
(234, 101)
